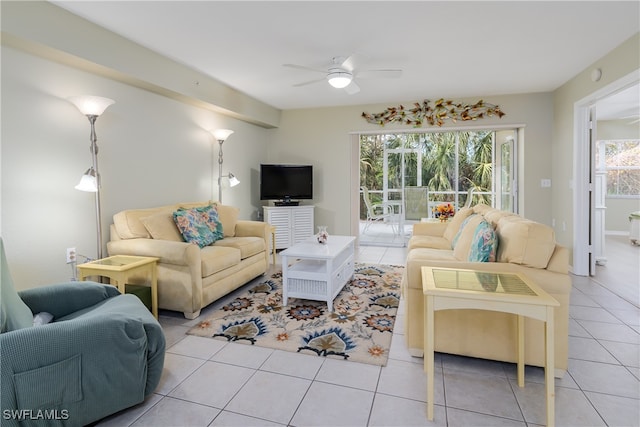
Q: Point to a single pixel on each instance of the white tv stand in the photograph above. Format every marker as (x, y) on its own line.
(293, 223)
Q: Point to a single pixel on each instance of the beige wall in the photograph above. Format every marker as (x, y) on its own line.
(152, 150)
(616, 65)
(322, 137)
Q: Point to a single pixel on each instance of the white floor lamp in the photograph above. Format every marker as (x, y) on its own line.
(221, 136)
(92, 107)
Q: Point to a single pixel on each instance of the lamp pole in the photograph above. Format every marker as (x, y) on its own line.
(221, 136)
(220, 141)
(94, 159)
(92, 107)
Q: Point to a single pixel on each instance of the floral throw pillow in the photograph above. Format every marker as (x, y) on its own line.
(484, 245)
(212, 219)
(193, 227)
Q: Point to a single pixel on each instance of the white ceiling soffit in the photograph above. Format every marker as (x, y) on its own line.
(444, 48)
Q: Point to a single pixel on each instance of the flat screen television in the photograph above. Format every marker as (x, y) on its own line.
(286, 183)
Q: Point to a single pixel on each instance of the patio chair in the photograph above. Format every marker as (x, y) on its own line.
(378, 212)
(416, 200)
(467, 203)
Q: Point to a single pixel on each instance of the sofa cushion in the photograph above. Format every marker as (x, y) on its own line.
(193, 227)
(525, 242)
(462, 249)
(454, 224)
(162, 227)
(435, 242)
(228, 217)
(484, 245)
(430, 254)
(217, 258)
(493, 216)
(455, 239)
(481, 208)
(248, 246)
(128, 224)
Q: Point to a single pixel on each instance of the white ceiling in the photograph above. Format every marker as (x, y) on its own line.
(445, 48)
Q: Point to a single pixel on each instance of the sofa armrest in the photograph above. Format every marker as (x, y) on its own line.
(559, 261)
(113, 233)
(253, 229)
(169, 252)
(429, 229)
(65, 298)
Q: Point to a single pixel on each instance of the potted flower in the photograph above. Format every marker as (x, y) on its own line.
(443, 211)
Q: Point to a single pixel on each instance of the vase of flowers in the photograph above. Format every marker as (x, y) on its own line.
(322, 235)
(443, 211)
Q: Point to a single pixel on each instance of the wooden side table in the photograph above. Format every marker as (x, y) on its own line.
(120, 268)
(448, 288)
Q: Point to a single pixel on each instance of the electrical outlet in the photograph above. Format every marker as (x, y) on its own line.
(71, 255)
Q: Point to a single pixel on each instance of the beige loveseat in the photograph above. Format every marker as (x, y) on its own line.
(525, 247)
(190, 278)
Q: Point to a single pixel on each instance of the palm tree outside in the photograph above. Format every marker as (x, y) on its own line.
(448, 163)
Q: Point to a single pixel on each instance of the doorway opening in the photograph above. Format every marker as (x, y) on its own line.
(586, 236)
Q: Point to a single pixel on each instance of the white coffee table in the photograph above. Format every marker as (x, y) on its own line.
(317, 271)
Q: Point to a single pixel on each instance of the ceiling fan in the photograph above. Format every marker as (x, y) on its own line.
(342, 72)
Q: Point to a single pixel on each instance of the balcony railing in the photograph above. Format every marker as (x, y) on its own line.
(434, 198)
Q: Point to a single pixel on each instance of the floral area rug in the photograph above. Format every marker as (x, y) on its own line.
(359, 329)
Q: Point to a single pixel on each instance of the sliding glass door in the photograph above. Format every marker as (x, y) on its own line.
(436, 167)
(506, 187)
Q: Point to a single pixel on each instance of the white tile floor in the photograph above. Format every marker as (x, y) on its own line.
(207, 382)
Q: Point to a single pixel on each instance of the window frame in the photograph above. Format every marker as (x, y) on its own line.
(601, 164)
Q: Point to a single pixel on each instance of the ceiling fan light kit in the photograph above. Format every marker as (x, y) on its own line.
(342, 74)
(339, 78)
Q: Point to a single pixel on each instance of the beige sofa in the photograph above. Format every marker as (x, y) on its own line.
(525, 247)
(190, 278)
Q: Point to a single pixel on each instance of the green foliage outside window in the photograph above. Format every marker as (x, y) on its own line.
(622, 163)
(447, 172)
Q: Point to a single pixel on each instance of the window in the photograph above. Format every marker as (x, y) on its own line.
(447, 163)
(621, 159)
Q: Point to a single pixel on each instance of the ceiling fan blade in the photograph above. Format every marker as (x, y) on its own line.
(351, 62)
(379, 74)
(302, 67)
(309, 82)
(352, 88)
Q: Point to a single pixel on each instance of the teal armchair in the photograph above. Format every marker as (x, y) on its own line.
(102, 352)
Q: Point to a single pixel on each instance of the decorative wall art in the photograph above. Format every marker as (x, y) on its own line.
(434, 115)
